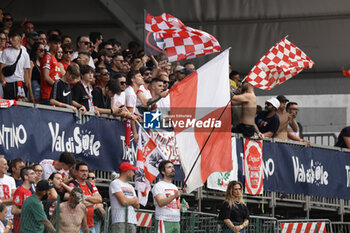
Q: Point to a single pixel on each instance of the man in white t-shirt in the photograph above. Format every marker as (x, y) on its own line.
(7, 187)
(166, 198)
(65, 162)
(122, 193)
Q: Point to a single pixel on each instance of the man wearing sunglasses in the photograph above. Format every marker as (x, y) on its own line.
(268, 121)
(68, 51)
(83, 45)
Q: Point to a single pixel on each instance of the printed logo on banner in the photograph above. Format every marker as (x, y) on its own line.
(253, 166)
(81, 142)
(13, 136)
(151, 120)
(315, 174)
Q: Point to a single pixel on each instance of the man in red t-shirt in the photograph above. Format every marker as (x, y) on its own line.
(28, 176)
(92, 196)
(50, 70)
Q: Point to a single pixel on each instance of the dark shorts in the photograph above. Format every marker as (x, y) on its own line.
(247, 130)
(11, 90)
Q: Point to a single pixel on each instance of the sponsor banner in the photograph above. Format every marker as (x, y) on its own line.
(220, 180)
(166, 142)
(253, 169)
(300, 170)
(35, 135)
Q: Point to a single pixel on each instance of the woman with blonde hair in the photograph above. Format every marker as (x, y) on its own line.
(234, 212)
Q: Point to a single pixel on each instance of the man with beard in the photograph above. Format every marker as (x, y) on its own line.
(247, 99)
(33, 217)
(122, 193)
(268, 121)
(73, 213)
(166, 200)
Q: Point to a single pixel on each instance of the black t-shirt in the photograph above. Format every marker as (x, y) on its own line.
(237, 214)
(61, 92)
(80, 95)
(99, 99)
(267, 124)
(345, 132)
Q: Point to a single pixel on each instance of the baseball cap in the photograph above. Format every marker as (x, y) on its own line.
(126, 166)
(282, 98)
(43, 185)
(188, 71)
(179, 68)
(78, 194)
(274, 101)
(33, 35)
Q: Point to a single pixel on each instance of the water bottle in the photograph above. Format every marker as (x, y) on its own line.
(183, 203)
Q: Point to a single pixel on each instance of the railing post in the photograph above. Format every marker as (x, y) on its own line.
(192, 221)
(126, 218)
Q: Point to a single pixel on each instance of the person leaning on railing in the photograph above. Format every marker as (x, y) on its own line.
(234, 212)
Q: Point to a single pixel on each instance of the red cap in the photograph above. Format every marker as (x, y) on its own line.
(126, 166)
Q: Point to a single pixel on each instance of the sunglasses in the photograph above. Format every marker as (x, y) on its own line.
(86, 42)
(122, 83)
(70, 52)
(41, 50)
(105, 73)
(148, 73)
(8, 19)
(2, 39)
(165, 82)
(92, 178)
(109, 48)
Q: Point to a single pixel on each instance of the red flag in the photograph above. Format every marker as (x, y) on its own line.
(280, 63)
(7, 103)
(196, 105)
(253, 166)
(148, 158)
(346, 73)
(181, 42)
(127, 133)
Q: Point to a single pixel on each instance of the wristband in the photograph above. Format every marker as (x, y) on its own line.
(111, 111)
(60, 105)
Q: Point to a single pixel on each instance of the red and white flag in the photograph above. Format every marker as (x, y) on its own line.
(4, 103)
(253, 166)
(196, 105)
(280, 63)
(181, 42)
(148, 158)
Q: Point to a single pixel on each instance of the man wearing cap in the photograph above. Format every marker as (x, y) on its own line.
(284, 118)
(247, 99)
(32, 37)
(72, 213)
(121, 193)
(179, 74)
(33, 217)
(268, 121)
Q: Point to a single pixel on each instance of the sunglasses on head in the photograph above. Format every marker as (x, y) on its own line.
(122, 83)
(69, 51)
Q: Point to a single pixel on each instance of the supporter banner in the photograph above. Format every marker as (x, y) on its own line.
(35, 134)
(253, 170)
(220, 180)
(166, 142)
(300, 170)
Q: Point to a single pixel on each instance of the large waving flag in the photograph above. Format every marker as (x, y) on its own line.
(196, 105)
(181, 42)
(148, 158)
(280, 63)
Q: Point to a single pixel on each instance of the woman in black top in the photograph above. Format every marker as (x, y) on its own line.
(36, 55)
(234, 212)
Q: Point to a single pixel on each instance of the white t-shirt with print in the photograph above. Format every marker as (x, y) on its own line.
(170, 212)
(7, 184)
(119, 100)
(118, 211)
(48, 169)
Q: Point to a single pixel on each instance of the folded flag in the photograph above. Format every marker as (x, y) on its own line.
(280, 63)
(180, 42)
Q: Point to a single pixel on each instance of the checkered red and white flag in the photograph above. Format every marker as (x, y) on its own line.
(181, 42)
(280, 63)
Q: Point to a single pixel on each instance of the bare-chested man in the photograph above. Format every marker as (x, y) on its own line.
(73, 213)
(247, 99)
(285, 118)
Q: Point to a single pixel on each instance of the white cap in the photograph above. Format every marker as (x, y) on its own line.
(274, 101)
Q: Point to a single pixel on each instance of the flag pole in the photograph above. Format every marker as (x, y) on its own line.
(200, 152)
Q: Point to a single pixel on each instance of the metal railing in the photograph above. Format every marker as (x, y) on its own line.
(326, 139)
(305, 225)
(341, 227)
